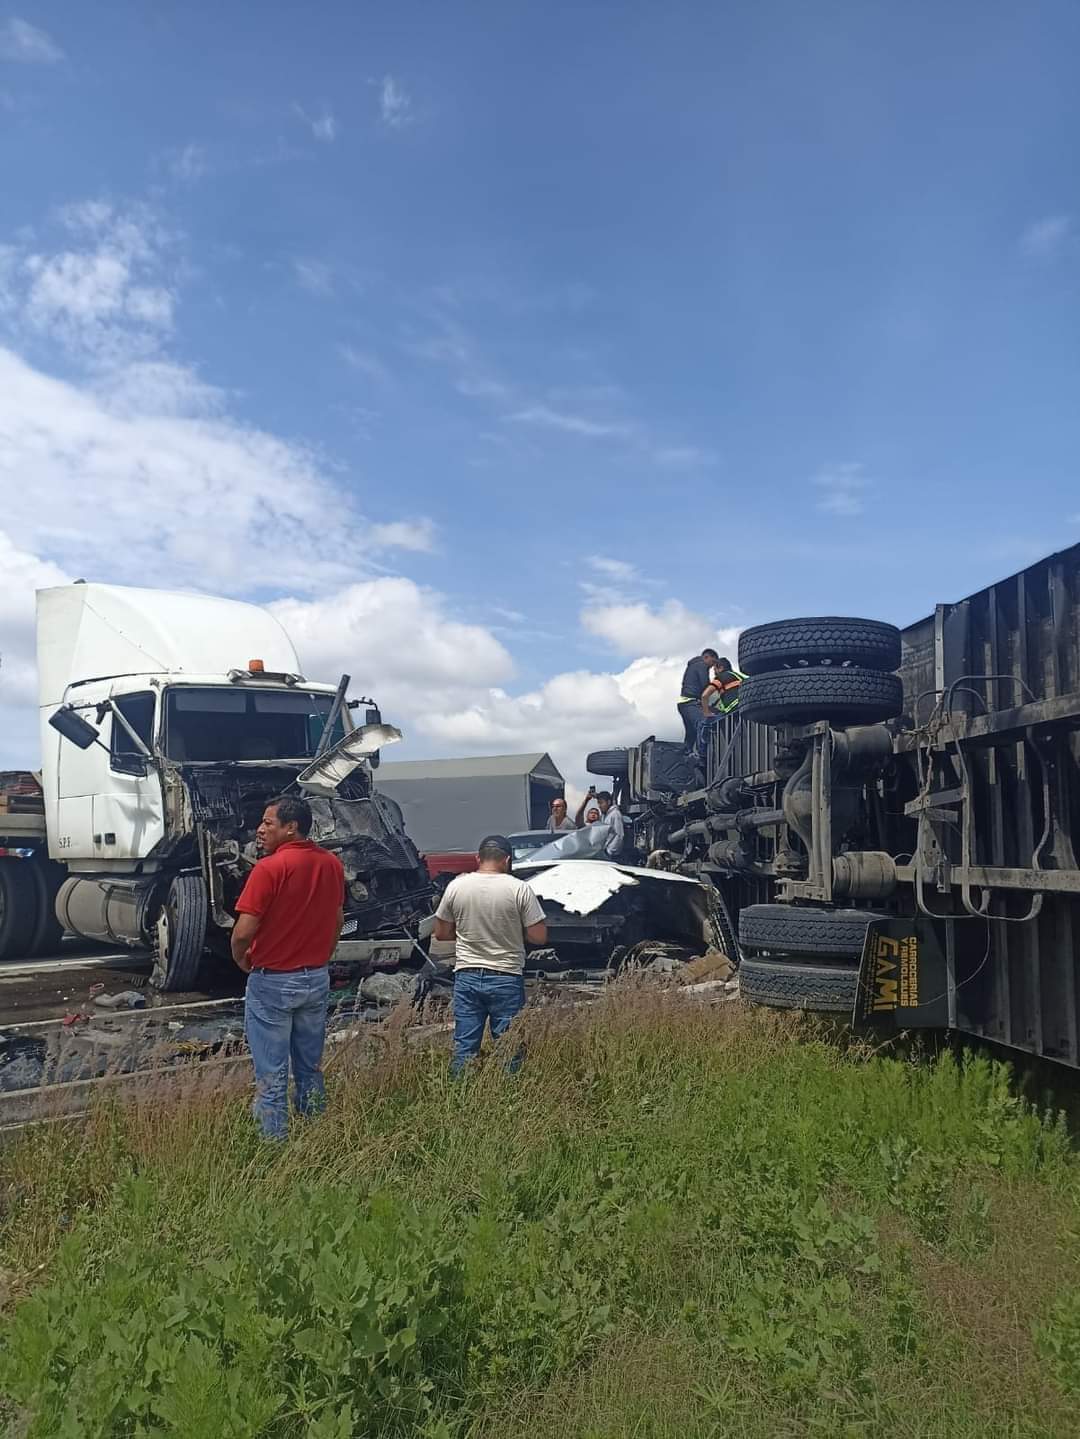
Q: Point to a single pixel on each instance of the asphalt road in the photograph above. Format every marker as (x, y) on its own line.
(55, 985)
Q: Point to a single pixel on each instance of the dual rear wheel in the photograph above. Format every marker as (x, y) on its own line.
(28, 923)
(801, 958)
(800, 671)
(827, 667)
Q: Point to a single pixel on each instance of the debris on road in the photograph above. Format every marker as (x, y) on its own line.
(388, 988)
(126, 999)
(712, 965)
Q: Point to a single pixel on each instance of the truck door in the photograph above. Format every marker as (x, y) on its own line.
(79, 776)
(128, 810)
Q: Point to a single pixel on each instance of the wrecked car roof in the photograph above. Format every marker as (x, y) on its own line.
(581, 886)
(635, 870)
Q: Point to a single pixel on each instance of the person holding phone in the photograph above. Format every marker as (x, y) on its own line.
(610, 815)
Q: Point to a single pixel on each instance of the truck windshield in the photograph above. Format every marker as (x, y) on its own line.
(236, 724)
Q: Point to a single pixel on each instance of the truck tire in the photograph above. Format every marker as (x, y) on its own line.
(790, 930)
(723, 927)
(609, 763)
(48, 931)
(844, 696)
(180, 934)
(821, 640)
(18, 908)
(828, 988)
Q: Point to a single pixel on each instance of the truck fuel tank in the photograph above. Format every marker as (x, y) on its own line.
(112, 910)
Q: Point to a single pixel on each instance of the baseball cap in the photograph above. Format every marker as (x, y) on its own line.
(496, 841)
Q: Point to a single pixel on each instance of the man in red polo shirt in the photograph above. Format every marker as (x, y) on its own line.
(288, 921)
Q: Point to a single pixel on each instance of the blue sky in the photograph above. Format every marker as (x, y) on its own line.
(594, 329)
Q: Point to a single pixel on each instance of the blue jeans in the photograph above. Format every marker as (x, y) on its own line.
(285, 1019)
(482, 995)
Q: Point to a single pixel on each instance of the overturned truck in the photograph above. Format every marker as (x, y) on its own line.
(889, 816)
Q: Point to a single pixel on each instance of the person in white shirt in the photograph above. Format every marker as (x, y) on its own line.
(489, 915)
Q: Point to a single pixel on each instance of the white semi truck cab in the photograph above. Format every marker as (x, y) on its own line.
(167, 722)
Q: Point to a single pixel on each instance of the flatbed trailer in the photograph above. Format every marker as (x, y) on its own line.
(917, 868)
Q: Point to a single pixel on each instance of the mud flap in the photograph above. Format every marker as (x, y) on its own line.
(903, 980)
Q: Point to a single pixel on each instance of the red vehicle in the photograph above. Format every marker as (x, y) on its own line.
(449, 863)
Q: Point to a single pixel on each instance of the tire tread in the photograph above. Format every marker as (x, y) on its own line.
(847, 696)
(608, 763)
(788, 929)
(185, 953)
(872, 644)
(799, 986)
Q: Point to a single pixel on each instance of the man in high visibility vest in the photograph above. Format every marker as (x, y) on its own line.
(719, 698)
(721, 694)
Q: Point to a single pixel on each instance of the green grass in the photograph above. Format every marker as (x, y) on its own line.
(675, 1221)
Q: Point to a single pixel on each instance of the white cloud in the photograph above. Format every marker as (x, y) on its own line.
(620, 570)
(23, 42)
(322, 123)
(314, 276)
(1044, 239)
(395, 104)
(442, 680)
(103, 298)
(571, 424)
(447, 349)
(147, 479)
(23, 574)
(141, 477)
(670, 630)
(156, 387)
(188, 164)
(417, 535)
(843, 489)
(476, 387)
(367, 363)
(569, 715)
(683, 457)
(397, 638)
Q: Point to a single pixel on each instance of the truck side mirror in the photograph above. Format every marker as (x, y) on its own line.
(73, 727)
(373, 716)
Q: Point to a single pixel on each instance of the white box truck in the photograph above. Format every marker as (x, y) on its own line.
(167, 722)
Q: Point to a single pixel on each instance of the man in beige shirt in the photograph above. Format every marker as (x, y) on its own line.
(489, 915)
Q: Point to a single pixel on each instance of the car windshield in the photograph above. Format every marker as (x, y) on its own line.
(245, 724)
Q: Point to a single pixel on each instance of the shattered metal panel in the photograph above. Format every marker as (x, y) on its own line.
(371, 829)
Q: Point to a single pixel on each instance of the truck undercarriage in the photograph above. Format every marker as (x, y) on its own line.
(893, 819)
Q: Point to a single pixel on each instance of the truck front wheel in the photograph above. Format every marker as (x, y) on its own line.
(180, 934)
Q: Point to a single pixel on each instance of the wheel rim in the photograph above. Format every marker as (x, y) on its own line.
(162, 942)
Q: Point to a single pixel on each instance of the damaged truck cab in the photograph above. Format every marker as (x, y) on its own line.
(163, 740)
